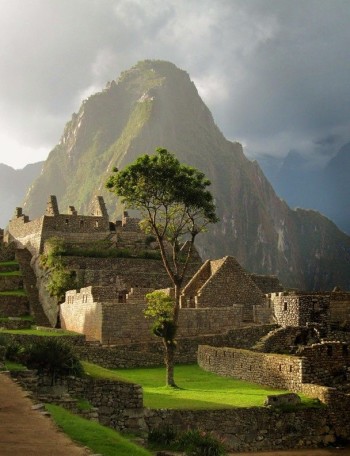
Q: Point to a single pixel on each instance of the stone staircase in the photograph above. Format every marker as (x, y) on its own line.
(24, 257)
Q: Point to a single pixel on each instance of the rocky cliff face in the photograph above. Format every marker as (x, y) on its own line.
(156, 105)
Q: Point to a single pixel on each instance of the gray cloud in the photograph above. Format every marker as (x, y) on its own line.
(275, 73)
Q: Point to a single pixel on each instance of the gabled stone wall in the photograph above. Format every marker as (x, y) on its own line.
(226, 284)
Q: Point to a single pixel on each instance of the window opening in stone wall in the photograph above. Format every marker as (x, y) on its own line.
(122, 298)
(67, 222)
(329, 350)
(345, 350)
(96, 224)
(280, 367)
(290, 368)
(285, 306)
(81, 223)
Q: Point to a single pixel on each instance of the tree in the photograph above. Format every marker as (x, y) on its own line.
(175, 206)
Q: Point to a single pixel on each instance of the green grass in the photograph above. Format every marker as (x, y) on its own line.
(14, 366)
(100, 439)
(20, 292)
(23, 318)
(198, 389)
(8, 263)
(38, 332)
(10, 273)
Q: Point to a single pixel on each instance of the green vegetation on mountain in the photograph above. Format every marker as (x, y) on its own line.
(155, 104)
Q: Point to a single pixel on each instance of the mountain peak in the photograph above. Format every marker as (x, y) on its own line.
(155, 104)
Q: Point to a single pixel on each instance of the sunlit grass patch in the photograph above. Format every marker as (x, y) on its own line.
(197, 389)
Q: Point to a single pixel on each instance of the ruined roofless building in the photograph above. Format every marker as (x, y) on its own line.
(71, 227)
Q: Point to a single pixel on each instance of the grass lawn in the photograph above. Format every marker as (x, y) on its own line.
(100, 439)
(20, 292)
(198, 389)
(38, 332)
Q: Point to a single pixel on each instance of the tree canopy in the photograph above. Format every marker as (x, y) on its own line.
(175, 205)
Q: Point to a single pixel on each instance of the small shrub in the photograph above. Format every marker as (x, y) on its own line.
(164, 435)
(197, 443)
(14, 351)
(60, 281)
(83, 404)
(149, 255)
(53, 358)
(149, 239)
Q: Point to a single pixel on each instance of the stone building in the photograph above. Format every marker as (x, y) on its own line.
(299, 308)
(220, 296)
(74, 228)
(115, 316)
(222, 283)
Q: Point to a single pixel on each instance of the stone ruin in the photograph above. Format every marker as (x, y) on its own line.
(237, 324)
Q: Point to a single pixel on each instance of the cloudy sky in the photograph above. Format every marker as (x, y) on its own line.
(275, 73)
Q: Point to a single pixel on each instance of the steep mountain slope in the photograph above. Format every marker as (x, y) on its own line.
(156, 104)
(14, 184)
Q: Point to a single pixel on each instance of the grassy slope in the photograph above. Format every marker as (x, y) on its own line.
(38, 332)
(100, 439)
(197, 389)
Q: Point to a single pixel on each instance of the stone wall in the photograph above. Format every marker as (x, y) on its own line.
(325, 360)
(120, 404)
(340, 307)
(25, 233)
(7, 251)
(278, 371)
(117, 404)
(287, 339)
(152, 353)
(298, 309)
(255, 428)
(134, 272)
(11, 283)
(317, 364)
(84, 317)
(13, 306)
(113, 322)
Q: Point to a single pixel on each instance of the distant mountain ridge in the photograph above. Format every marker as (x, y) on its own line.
(326, 189)
(14, 184)
(156, 104)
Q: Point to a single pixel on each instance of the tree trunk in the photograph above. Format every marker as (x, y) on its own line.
(169, 363)
(170, 348)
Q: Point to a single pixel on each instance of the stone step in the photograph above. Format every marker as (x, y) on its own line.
(9, 267)
(13, 306)
(8, 283)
